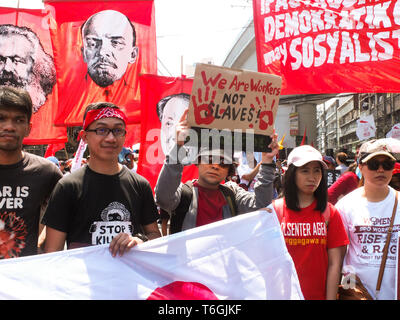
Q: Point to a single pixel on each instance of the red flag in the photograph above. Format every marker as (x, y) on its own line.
(303, 141)
(329, 46)
(153, 90)
(132, 134)
(100, 48)
(26, 47)
(53, 148)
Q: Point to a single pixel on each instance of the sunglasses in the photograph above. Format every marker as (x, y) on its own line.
(374, 165)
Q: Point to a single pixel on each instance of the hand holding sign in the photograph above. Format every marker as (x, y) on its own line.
(267, 157)
(182, 129)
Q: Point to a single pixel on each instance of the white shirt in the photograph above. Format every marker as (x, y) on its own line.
(342, 167)
(366, 225)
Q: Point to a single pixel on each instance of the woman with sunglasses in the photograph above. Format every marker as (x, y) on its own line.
(313, 230)
(366, 214)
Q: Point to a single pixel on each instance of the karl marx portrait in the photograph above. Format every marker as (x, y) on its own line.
(24, 63)
(109, 46)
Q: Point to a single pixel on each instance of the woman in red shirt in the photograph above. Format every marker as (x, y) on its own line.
(312, 228)
(347, 182)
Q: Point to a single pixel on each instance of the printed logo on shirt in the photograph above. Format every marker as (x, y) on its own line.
(12, 235)
(116, 219)
(303, 234)
(370, 240)
(13, 198)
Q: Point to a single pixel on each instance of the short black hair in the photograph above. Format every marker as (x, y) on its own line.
(161, 104)
(97, 106)
(16, 99)
(290, 190)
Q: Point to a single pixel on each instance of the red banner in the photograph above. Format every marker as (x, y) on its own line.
(100, 48)
(329, 46)
(163, 100)
(53, 148)
(26, 61)
(132, 134)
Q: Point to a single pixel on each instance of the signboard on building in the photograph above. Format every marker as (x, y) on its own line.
(294, 124)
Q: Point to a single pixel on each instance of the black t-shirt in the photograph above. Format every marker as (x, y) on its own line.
(24, 187)
(92, 207)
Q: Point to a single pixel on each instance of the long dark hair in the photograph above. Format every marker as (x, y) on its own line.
(290, 190)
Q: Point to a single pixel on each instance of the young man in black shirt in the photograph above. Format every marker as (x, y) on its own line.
(102, 202)
(26, 180)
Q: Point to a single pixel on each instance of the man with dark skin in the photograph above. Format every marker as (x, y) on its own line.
(26, 180)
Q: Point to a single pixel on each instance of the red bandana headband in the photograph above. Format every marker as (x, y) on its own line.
(98, 114)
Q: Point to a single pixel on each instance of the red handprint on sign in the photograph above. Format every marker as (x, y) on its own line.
(203, 112)
(264, 124)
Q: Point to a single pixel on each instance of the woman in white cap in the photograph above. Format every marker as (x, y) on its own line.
(312, 227)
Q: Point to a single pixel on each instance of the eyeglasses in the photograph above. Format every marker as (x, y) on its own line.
(374, 165)
(117, 132)
(215, 160)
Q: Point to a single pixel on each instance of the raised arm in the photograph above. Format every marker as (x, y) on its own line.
(263, 190)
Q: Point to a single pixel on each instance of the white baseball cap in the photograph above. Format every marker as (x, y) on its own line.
(304, 154)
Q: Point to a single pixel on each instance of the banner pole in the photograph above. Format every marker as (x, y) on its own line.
(181, 65)
(16, 16)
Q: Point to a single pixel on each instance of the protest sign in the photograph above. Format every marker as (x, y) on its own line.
(27, 62)
(366, 127)
(100, 49)
(240, 100)
(163, 101)
(394, 132)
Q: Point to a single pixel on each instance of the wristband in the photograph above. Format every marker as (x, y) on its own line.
(272, 165)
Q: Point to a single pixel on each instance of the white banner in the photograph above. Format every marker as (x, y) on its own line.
(394, 132)
(77, 160)
(239, 258)
(366, 127)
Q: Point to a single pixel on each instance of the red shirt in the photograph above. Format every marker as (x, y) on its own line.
(209, 205)
(307, 240)
(347, 182)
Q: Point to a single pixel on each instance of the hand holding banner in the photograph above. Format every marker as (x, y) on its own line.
(244, 257)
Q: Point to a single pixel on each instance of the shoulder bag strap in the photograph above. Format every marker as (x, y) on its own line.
(386, 247)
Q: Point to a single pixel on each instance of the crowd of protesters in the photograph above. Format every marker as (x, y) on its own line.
(327, 229)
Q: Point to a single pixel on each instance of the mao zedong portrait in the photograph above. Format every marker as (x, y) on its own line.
(170, 110)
